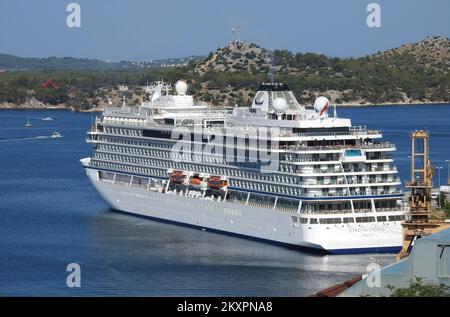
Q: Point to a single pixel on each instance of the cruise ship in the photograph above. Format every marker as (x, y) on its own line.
(277, 171)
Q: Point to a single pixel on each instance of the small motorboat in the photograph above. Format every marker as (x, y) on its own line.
(47, 119)
(56, 135)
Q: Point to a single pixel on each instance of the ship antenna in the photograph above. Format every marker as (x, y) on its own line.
(236, 38)
(238, 34)
(271, 68)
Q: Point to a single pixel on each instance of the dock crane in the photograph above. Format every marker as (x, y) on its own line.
(419, 221)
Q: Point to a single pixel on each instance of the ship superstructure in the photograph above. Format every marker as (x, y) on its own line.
(277, 171)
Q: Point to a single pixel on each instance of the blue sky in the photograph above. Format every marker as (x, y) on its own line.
(142, 30)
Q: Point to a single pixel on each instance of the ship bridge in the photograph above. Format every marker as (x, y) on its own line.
(274, 105)
(275, 97)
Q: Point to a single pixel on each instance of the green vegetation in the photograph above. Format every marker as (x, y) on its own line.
(373, 79)
(14, 62)
(445, 205)
(418, 288)
(413, 73)
(77, 89)
(71, 63)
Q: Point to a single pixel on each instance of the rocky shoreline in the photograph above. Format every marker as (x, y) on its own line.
(414, 103)
(42, 106)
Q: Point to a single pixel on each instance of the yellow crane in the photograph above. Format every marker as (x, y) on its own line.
(419, 221)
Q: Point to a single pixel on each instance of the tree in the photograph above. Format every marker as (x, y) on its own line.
(445, 204)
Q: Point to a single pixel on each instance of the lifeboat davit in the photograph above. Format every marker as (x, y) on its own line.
(218, 182)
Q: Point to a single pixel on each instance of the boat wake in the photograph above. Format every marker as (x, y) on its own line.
(42, 137)
(46, 118)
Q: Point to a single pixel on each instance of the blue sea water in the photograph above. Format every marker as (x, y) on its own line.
(51, 216)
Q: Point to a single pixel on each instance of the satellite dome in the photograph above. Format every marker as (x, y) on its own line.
(181, 87)
(321, 105)
(279, 104)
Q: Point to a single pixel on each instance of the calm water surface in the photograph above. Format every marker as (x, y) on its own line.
(51, 216)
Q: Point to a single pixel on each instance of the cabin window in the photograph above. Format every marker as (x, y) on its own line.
(303, 220)
(328, 221)
(395, 218)
(123, 179)
(157, 134)
(139, 182)
(365, 219)
(349, 220)
(106, 176)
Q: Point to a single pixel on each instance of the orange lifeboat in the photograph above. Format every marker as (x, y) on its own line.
(197, 181)
(177, 177)
(217, 182)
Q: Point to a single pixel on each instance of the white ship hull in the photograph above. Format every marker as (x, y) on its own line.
(248, 221)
